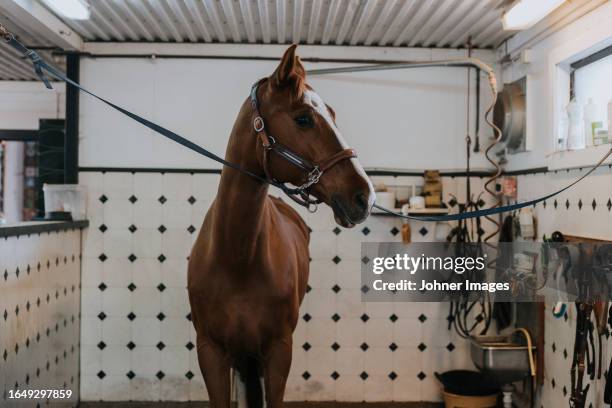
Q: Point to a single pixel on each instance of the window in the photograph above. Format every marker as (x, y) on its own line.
(590, 79)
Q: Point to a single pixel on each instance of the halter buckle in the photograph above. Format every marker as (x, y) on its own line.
(312, 178)
(258, 124)
(314, 175)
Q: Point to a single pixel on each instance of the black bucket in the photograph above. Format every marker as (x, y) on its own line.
(468, 383)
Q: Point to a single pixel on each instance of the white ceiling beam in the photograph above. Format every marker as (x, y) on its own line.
(249, 20)
(363, 21)
(281, 21)
(264, 21)
(183, 20)
(32, 16)
(275, 51)
(418, 19)
(212, 12)
(564, 15)
(382, 18)
(126, 8)
(315, 18)
(298, 19)
(434, 20)
(230, 13)
(163, 15)
(151, 19)
(332, 15)
(119, 20)
(349, 13)
(401, 19)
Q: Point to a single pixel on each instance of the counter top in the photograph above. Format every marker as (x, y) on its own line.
(37, 227)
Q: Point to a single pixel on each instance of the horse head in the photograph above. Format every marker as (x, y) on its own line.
(298, 118)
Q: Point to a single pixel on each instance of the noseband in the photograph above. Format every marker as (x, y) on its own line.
(313, 171)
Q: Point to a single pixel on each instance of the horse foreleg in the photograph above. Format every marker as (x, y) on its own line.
(276, 370)
(215, 367)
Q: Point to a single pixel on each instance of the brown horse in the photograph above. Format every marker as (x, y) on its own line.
(249, 266)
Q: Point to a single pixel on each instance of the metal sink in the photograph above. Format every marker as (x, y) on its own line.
(500, 357)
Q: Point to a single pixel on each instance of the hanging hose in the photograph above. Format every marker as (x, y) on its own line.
(532, 364)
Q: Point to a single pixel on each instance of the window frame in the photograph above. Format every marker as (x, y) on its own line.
(583, 62)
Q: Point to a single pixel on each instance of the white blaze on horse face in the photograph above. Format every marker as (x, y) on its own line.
(316, 102)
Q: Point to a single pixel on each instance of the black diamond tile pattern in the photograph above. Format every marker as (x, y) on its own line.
(164, 282)
(39, 325)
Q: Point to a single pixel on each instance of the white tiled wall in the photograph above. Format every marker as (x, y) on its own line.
(584, 210)
(39, 315)
(137, 337)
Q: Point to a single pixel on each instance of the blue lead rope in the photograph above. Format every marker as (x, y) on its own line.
(40, 66)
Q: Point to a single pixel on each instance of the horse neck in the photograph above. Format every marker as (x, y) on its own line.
(241, 199)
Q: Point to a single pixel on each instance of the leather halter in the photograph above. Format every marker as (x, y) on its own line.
(314, 171)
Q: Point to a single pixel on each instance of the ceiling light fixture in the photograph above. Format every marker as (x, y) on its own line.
(72, 9)
(526, 13)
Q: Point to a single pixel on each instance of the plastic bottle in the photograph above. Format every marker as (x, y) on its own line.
(562, 132)
(575, 133)
(591, 122)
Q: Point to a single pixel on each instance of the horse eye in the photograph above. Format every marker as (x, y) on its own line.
(304, 121)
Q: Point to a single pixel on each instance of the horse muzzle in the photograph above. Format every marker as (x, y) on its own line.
(352, 210)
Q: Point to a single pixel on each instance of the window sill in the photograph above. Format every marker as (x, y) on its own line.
(586, 157)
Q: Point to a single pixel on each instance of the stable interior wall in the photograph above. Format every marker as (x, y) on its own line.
(137, 338)
(406, 119)
(584, 210)
(148, 197)
(23, 104)
(548, 87)
(40, 276)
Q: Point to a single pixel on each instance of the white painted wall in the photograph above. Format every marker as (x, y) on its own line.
(548, 91)
(22, 104)
(399, 119)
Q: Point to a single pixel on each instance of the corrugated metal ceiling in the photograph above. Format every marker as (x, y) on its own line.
(423, 23)
(394, 23)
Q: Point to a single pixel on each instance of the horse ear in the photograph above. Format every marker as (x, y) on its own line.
(290, 71)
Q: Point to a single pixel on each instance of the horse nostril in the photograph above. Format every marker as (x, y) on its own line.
(361, 201)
